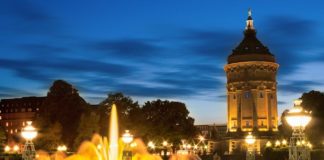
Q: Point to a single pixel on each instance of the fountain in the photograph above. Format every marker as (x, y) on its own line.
(99, 148)
(113, 136)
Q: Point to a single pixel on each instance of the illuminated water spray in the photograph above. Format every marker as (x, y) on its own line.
(113, 134)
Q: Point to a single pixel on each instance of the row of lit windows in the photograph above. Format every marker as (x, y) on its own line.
(14, 123)
(12, 131)
(19, 110)
(19, 104)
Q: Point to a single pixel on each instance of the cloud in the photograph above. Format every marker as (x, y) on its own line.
(216, 44)
(46, 70)
(8, 92)
(297, 86)
(128, 48)
(41, 49)
(288, 38)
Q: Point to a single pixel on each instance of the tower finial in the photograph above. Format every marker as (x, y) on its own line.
(250, 12)
(249, 22)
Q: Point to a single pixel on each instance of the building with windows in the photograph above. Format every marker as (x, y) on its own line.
(15, 112)
(251, 91)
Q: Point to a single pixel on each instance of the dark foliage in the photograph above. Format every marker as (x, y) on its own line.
(64, 106)
(167, 120)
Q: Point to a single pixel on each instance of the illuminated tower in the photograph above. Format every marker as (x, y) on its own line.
(251, 85)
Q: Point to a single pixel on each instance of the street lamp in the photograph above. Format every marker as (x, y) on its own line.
(7, 149)
(29, 133)
(62, 148)
(16, 148)
(250, 140)
(298, 119)
(127, 138)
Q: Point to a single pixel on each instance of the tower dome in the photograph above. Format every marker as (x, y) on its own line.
(250, 48)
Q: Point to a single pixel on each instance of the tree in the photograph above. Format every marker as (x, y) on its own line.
(87, 127)
(128, 112)
(284, 128)
(314, 101)
(50, 137)
(63, 105)
(167, 120)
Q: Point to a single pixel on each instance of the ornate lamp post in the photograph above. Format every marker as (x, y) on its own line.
(250, 140)
(29, 133)
(127, 138)
(298, 119)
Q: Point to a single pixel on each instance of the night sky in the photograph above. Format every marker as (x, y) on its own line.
(167, 49)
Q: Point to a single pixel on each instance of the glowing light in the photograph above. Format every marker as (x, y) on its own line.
(113, 137)
(7, 149)
(201, 138)
(99, 146)
(62, 148)
(297, 117)
(277, 143)
(298, 143)
(310, 145)
(133, 144)
(127, 137)
(29, 132)
(250, 139)
(268, 144)
(151, 144)
(15, 148)
(165, 143)
(284, 142)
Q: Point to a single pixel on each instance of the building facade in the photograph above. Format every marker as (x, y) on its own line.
(251, 72)
(251, 85)
(15, 112)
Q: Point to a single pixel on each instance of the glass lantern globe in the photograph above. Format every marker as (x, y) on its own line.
(29, 132)
(250, 139)
(297, 117)
(127, 137)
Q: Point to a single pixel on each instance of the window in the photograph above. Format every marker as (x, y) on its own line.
(234, 97)
(261, 95)
(247, 123)
(247, 94)
(0, 117)
(271, 96)
(7, 124)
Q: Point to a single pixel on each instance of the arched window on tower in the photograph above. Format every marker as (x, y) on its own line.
(247, 94)
(271, 96)
(261, 95)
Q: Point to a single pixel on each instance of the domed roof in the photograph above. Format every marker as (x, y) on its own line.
(250, 48)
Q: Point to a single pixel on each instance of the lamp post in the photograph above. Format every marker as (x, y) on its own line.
(250, 140)
(298, 119)
(29, 133)
(127, 138)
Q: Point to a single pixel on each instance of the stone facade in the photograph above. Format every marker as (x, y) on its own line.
(251, 72)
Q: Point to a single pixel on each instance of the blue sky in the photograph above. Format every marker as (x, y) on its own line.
(148, 49)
